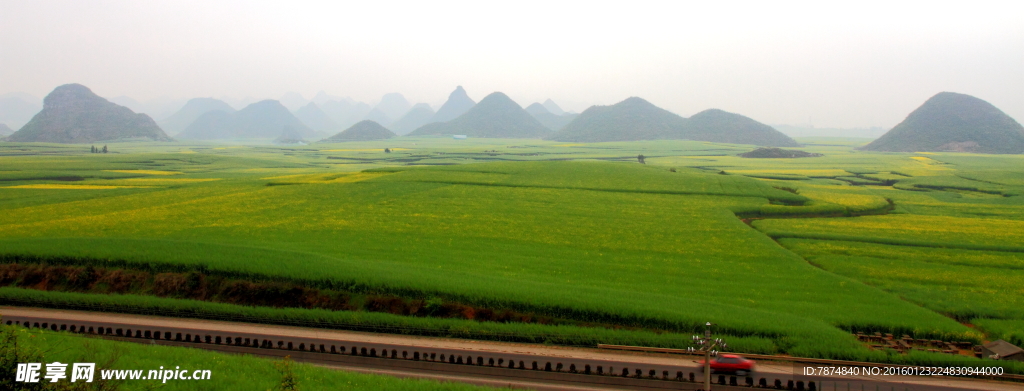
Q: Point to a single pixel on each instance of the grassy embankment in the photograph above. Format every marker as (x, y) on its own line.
(227, 371)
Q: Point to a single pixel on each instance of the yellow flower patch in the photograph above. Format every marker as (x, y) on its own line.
(803, 172)
(364, 150)
(326, 178)
(169, 180)
(926, 160)
(146, 172)
(854, 201)
(77, 187)
(358, 177)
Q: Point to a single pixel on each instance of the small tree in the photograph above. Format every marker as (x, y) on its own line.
(387, 150)
(92, 149)
(104, 149)
(640, 158)
(288, 380)
(11, 353)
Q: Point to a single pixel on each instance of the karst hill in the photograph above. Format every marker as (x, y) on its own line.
(952, 122)
(496, 116)
(72, 113)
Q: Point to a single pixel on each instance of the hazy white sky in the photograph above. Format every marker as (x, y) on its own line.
(851, 64)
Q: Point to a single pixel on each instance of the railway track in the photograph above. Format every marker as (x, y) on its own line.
(425, 357)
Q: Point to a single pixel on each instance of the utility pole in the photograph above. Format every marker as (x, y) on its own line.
(709, 347)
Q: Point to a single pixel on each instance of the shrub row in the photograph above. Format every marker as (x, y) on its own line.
(364, 321)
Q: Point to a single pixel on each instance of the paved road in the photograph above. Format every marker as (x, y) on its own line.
(436, 352)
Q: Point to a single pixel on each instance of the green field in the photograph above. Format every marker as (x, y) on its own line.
(227, 371)
(608, 249)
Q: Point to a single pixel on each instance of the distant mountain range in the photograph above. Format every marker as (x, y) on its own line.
(188, 114)
(5, 130)
(420, 114)
(322, 97)
(16, 109)
(293, 101)
(547, 118)
(552, 107)
(378, 116)
(496, 116)
(316, 119)
(393, 105)
(72, 113)
(264, 119)
(159, 108)
(458, 103)
(812, 131)
(363, 131)
(345, 112)
(393, 111)
(953, 122)
(637, 119)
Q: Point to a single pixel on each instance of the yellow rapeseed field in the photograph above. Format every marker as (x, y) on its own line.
(943, 230)
(848, 199)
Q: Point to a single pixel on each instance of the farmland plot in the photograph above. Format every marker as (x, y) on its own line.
(595, 241)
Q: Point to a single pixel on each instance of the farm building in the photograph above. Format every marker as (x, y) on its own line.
(1004, 350)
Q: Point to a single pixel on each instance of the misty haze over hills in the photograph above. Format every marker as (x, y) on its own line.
(345, 112)
(264, 119)
(159, 108)
(496, 116)
(552, 107)
(292, 100)
(188, 114)
(316, 119)
(546, 114)
(17, 108)
(420, 114)
(378, 116)
(457, 104)
(393, 105)
(807, 130)
(74, 114)
(333, 113)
